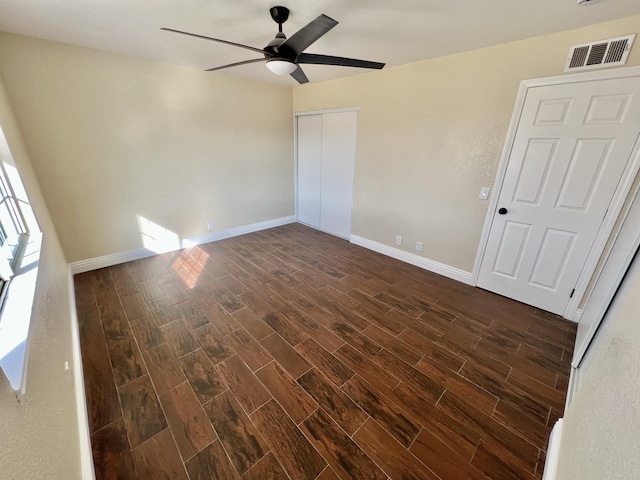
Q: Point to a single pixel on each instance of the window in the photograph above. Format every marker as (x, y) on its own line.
(20, 243)
(13, 234)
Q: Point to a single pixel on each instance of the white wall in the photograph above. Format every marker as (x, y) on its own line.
(602, 424)
(113, 137)
(39, 436)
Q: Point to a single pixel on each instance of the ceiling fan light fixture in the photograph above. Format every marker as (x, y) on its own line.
(280, 66)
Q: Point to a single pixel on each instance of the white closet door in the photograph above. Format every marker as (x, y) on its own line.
(309, 168)
(338, 162)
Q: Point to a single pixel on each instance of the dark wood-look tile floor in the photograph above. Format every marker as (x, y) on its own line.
(289, 353)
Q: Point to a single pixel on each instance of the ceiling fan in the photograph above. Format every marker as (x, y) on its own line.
(285, 55)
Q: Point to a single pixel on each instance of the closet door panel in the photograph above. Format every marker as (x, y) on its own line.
(338, 162)
(309, 168)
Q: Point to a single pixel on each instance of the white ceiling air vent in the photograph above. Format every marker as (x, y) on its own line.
(605, 53)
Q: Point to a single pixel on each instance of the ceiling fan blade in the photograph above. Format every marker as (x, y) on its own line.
(312, 58)
(299, 75)
(308, 34)
(259, 50)
(255, 60)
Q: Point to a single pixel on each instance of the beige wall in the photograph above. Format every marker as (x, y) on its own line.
(112, 137)
(431, 134)
(39, 435)
(600, 433)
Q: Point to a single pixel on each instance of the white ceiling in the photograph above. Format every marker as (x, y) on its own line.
(397, 32)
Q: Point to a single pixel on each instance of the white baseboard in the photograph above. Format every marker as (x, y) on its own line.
(577, 316)
(553, 452)
(431, 265)
(116, 258)
(84, 435)
(572, 388)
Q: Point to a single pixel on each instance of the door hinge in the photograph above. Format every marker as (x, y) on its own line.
(572, 292)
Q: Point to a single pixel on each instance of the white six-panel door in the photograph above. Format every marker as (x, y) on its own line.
(570, 149)
(326, 149)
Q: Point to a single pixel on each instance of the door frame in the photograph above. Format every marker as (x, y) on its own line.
(295, 148)
(622, 254)
(622, 191)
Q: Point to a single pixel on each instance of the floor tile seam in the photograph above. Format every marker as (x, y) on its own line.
(325, 410)
(409, 416)
(216, 366)
(522, 358)
(328, 467)
(133, 457)
(376, 364)
(385, 347)
(547, 351)
(416, 437)
(173, 436)
(538, 464)
(551, 341)
(482, 369)
(244, 475)
(371, 299)
(297, 424)
(555, 385)
(476, 333)
(185, 460)
(311, 365)
(347, 380)
(336, 424)
(475, 450)
(111, 423)
(199, 347)
(404, 381)
(241, 475)
(494, 356)
(295, 380)
(409, 452)
(203, 412)
(332, 352)
(115, 384)
(440, 397)
(247, 415)
(489, 437)
(369, 418)
(536, 401)
(153, 383)
(549, 415)
(272, 397)
(456, 374)
(538, 392)
(236, 350)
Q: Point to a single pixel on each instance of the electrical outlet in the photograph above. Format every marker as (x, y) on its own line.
(484, 193)
(419, 246)
(398, 239)
(210, 224)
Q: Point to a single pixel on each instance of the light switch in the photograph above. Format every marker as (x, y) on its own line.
(484, 193)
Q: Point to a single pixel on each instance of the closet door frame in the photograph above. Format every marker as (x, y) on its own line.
(295, 145)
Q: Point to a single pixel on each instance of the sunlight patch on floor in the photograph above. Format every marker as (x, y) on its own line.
(189, 265)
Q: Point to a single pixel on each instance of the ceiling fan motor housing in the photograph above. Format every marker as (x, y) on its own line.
(279, 14)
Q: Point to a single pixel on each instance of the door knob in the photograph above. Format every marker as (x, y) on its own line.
(502, 211)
